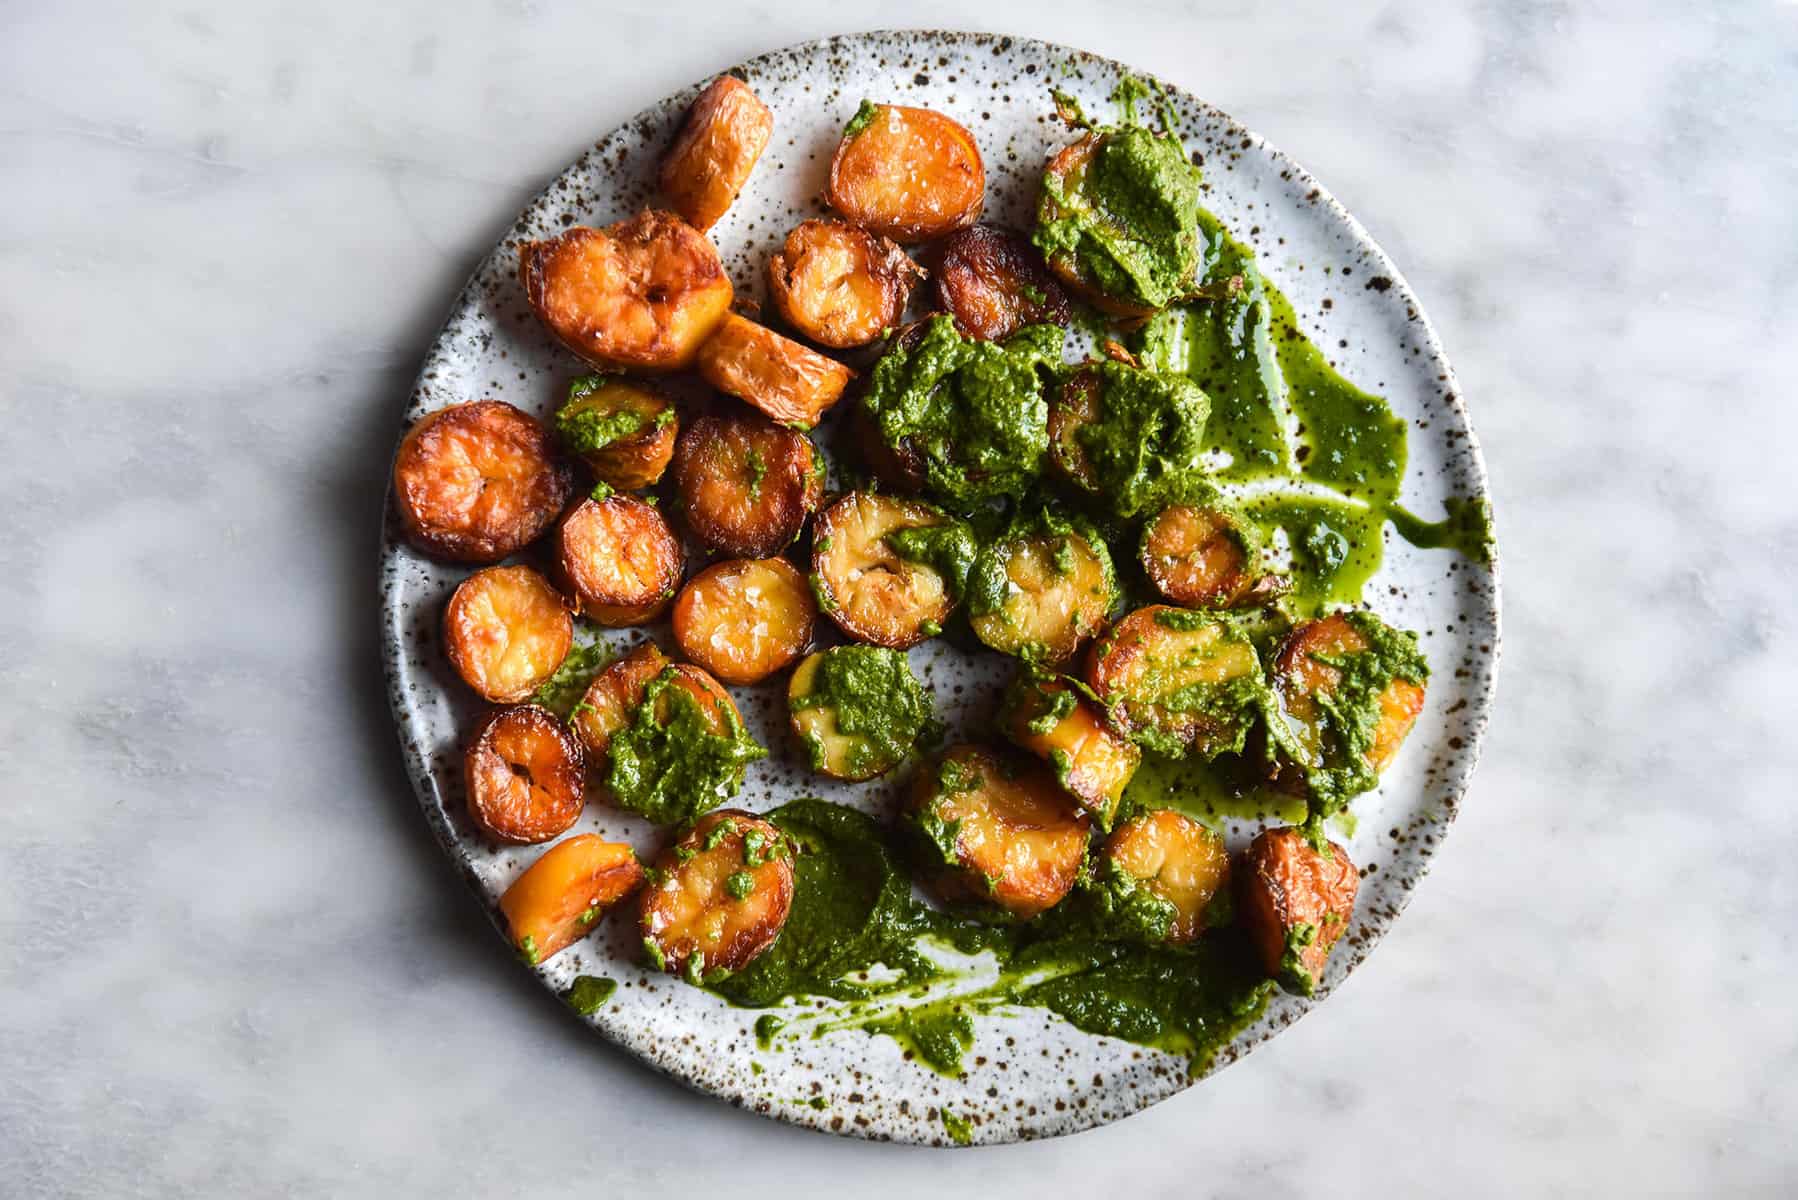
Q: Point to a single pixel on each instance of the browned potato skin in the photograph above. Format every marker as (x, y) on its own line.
(1070, 164)
(639, 460)
(619, 559)
(506, 630)
(871, 593)
(1080, 402)
(476, 482)
(911, 174)
(1284, 882)
(1112, 664)
(524, 774)
(612, 699)
(983, 278)
(1176, 858)
(724, 504)
(710, 160)
(688, 912)
(840, 286)
(1100, 764)
(1193, 558)
(560, 897)
(643, 294)
(1299, 677)
(1069, 609)
(792, 384)
(745, 619)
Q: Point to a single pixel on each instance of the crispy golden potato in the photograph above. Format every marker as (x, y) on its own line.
(1039, 595)
(1177, 859)
(620, 559)
(1295, 902)
(744, 619)
(710, 160)
(505, 631)
(993, 283)
(476, 482)
(746, 485)
(867, 589)
(622, 429)
(1001, 830)
(1301, 677)
(909, 174)
(612, 699)
(721, 896)
(560, 897)
(640, 295)
(1204, 558)
(1070, 165)
(524, 774)
(1177, 681)
(840, 286)
(1054, 722)
(787, 381)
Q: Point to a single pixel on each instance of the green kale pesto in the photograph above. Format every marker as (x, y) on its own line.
(992, 590)
(670, 763)
(864, 117)
(879, 705)
(957, 1128)
(562, 691)
(947, 549)
(1146, 449)
(590, 993)
(587, 422)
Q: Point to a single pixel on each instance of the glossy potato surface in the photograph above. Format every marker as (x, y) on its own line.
(993, 283)
(476, 482)
(716, 149)
(1295, 901)
(839, 285)
(506, 630)
(1200, 557)
(1057, 593)
(612, 699)
(1300, 678)
(620, 559)
(910, 174)
(1177, 859)
(524, 775)
(560, 897)
(867, 589)
(745, 619)
(635, 460)
(1144, 666)
(746, 485)
(790, 383)
(1092, 762)
(694, 919)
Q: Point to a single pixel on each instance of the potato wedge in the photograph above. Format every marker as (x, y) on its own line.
(1054, 722)
(858, 710)
(863, 585)
(994, 283)
(524, 775)
(611, 700)
(1206, 558)
(476, 482)
(1178, 681)
(1174, 858)
(840, 286)
(505, 631)
(719, 898)
(746, 485)
(1350, 689)
(619, 559)
(640, 295)
(726, 130)
(792, 384)
(1041, 591)
(910, 174)
(744, 619)
(1295, 901)
(560, 897)
(622, 429)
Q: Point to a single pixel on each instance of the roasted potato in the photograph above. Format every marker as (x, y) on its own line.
(1206, 558)
(1177, 681)
(1051, 720)
(1132, 438)
(719, 898)
(624, 430)
(524, 775)
(863, 585)
(726, 130)
(746, 485)
(1079, 404)
(1329, 728)
(640, 295)
(1175, 858)
(684, 751)
(612, 699)
(858, 710)
(910, 174)
(620, 559)
(792, 384)
(476, 482)
(1295, 901)
(1068, 168)
(506, 631)
(993, 283)
(1001, 831)
(560, 897)
(1041, 591)
(840, 286)
(745, 619)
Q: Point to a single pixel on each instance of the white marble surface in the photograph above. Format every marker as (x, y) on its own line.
(236, 964)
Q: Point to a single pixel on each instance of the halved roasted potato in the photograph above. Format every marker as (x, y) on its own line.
(993, 283)
(1178, 681)
(910, 174)
(476, 482)
(1206, 558)
(858, 710)
(505, 631)
(642, 294)
(1350, 688)
(1132, 438)
(864, 585)
(1053, 721)
(619, 559)
(524, 775)
(684, 750)
(1040, 591)
(720, 897)
(744, 619)
(791, 383)
(560, 897)
(746, 485)
(705, 168)
(624, 430)
(840, 286)
(1001, 831)
(1295, 901)
(1175, 859)
(611, 700)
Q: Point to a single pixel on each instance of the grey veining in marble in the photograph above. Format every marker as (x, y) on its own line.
(236, 964)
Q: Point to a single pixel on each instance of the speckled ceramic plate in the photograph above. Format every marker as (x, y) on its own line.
(1031, 1074)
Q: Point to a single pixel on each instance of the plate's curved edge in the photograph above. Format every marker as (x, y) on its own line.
(1453, 787)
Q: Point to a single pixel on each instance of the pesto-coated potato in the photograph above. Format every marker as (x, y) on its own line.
(720, 897)
(476, 482)
(840, 286)
(994, 283)
(1205, 558)
(620, 559)
(744, 619)
(641, 295)
(705, 168)
(910, 174)
(506, 630)
(863, 585)
(1068, 168)
(1175, 858)
(1079, 404)
(1177, 681)
(746, 485)
(1054, 722)
(1040, 593)
(857, 710)
(1295, 901)
(560, 897)
(524, 775)
(612, 698)
(624, 430)
(789, 382)
(1308, 668)
(1002, 832)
